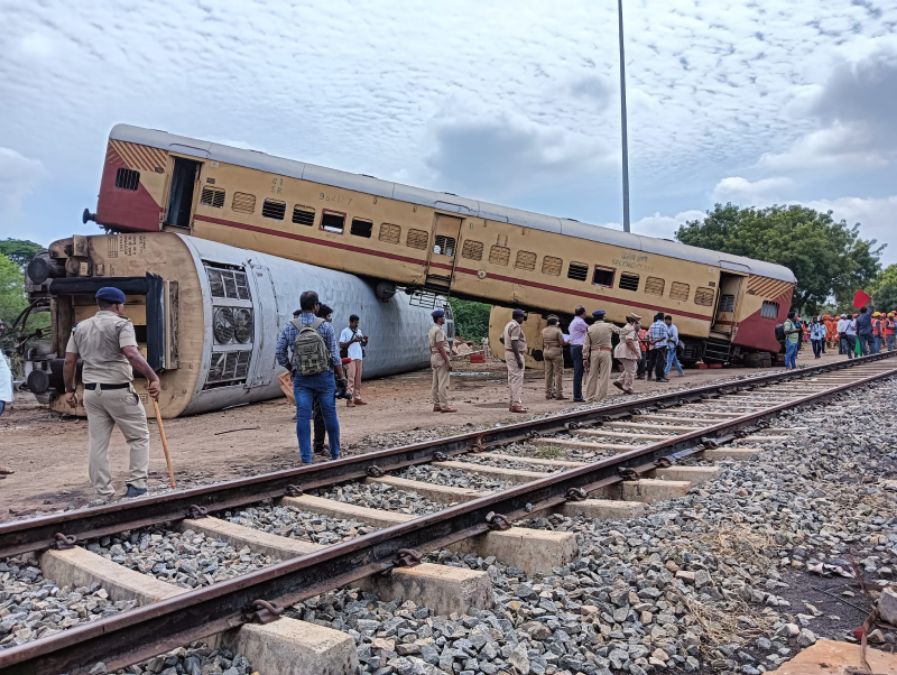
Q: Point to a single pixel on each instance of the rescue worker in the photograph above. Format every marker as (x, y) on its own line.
(596, 356)
(628, 352)
(107, 346)
(876, 332)
(889, 331)
(644, 344)
(831, 331)
(553, 358)
(440, 362)
(514, 341)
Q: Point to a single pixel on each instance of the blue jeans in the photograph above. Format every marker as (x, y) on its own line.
(576, 355)
(305, 389)
(892, 342)
(672, 362)
(791, 355)
(865, 343)
(876, 344)
(2, 406)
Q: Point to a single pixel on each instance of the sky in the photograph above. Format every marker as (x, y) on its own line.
(754, 102)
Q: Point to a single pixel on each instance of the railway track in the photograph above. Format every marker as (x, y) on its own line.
(615, 456)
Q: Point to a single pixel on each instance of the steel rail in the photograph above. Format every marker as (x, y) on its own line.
(141, 633)
(69, 527)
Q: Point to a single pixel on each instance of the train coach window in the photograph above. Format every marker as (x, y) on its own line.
(499, 255)
(769, 310)
(417, 239)
(127, 179)
(603, 276)
(654, 286)
(212, 197)
(552, 266)
(303, 215)
(526, 260)
(333, 222)
(243, 202)
(472, 250)
(390, 233)
(629, 282)
(578, 271)
(679, 291)
(445, 244)
(361, 228)
(271, 208)
(704, 296)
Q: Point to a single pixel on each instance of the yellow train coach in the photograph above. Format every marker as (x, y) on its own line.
(437, 243)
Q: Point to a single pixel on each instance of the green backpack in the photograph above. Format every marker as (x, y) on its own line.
(310, 353)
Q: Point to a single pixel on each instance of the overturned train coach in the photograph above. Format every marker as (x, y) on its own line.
(207, 315)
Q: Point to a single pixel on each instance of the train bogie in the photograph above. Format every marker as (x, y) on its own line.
(207, 315)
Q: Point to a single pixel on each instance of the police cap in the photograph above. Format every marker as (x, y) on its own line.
(518, 312)
(111, 295)
(598, 313)
(438, 313)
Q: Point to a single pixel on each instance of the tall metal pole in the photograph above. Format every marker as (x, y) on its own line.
(623, 130)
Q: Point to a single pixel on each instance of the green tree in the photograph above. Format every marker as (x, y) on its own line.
(471, 318)
(828, 258)
(884, 290)
(20, 251)
(12, 290)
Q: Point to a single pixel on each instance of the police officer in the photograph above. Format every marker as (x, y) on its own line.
(515, 349)
(440, 362)
(108, 349)
(596, 356)
(553, 358)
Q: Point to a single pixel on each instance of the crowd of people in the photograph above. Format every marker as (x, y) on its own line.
(860, 334)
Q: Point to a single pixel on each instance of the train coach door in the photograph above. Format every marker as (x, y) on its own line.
(441, 258)
(726, 301)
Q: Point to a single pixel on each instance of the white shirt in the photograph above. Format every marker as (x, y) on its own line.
(355, 351)
(842, 325)
(851, 327)
(5, 380)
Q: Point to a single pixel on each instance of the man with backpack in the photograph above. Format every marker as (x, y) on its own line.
(307, 347)
(792, 331)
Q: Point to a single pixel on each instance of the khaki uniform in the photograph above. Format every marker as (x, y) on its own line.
(596, 350)
(553, 354)
(439, 366)
(99, 341)
(514, 331)
(628, 352)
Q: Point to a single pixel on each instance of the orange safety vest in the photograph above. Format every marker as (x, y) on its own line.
(876, 327)
(888, 328)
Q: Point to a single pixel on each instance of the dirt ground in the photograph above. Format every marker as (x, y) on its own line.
(48, 452)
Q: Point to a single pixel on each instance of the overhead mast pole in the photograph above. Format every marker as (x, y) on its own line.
(623, 129)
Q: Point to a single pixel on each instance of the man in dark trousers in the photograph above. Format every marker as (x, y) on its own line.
(577, 332)
(658, 334)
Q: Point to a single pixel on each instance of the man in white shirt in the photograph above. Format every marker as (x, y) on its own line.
(5, 383)
(352, 342)
(842, 334)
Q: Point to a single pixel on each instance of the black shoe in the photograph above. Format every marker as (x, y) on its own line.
(134, 492)
(579, 400)
(663, 379)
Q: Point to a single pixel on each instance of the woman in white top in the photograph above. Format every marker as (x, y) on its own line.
(5, 383)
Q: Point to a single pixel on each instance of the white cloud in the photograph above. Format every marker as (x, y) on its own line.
(660, 225)
(740, 190)
(19, 177)
(877, 215)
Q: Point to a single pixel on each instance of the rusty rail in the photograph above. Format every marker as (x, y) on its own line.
(35, 534)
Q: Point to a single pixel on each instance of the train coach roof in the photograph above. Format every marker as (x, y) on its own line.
(442, 201)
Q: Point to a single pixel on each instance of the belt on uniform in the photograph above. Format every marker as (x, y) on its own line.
(94, 385)
(604, 349)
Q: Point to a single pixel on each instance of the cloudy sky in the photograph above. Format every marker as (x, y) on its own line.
(754, 102)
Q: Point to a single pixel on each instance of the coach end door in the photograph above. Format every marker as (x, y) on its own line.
(726, 300)
(443, 248)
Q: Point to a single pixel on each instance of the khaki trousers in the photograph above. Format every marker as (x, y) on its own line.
(440, 381)
(353, 374)
(515, 379)
(554, 373)
(600, 363)
(106, 409)
(627, 377)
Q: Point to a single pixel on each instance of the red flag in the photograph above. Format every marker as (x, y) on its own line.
(861, 299)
